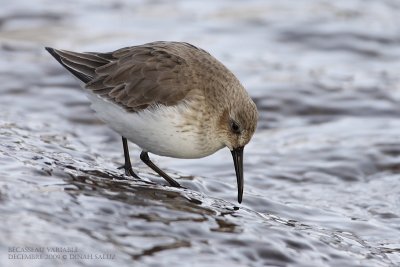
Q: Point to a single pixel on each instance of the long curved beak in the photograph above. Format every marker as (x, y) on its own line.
(237, 155)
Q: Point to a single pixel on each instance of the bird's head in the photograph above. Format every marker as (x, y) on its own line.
(236, 127)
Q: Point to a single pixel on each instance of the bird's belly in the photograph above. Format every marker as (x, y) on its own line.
(157, 130)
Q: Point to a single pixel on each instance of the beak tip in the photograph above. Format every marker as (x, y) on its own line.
(240, 197)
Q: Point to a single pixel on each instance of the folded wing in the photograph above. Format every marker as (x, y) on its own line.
(134, 77)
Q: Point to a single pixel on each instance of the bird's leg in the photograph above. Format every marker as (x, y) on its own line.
(144, 156)
(127, 165)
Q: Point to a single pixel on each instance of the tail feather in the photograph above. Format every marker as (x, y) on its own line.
(81, 65)
(82, 59)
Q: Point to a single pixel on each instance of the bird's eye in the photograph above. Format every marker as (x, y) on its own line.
(235, 127)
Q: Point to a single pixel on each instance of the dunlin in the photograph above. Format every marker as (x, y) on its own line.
(169, 98)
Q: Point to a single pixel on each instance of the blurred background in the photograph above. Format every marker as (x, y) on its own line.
(321, 173)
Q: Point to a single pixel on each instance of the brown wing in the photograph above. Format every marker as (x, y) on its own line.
(135, 77)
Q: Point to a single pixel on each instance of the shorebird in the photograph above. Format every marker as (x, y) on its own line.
(169, 98)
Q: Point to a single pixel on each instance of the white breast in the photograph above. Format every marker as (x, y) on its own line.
(156, 130)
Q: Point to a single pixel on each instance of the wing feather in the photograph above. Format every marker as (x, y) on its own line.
(139, 76)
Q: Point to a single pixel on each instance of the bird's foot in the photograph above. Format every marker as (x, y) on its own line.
(129, 171)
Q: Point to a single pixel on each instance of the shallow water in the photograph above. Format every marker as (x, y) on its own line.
(321, 173)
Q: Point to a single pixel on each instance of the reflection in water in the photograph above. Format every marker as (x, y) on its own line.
(321, 174)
